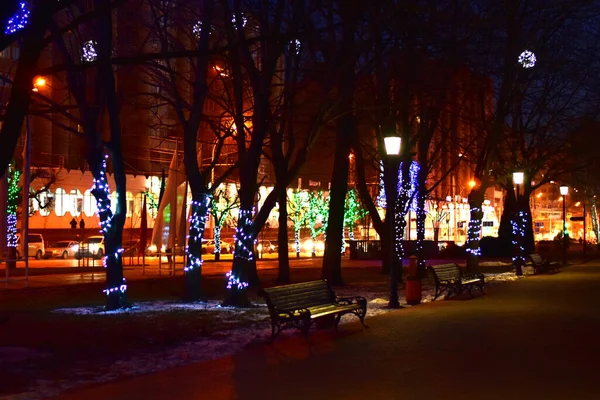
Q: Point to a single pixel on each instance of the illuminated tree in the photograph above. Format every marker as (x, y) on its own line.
(223, 203)
(316, 217)
(353, 211)
(298, 207)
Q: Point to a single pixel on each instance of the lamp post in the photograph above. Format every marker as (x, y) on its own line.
(518, 225)
(392, 150)
(564, 191)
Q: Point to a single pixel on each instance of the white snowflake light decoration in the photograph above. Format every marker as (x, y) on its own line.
(527, 59)
(234, 21)
(197, 29)
(89, 51)
(295, 46)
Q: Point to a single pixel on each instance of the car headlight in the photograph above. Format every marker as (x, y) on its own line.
(94, 247)
(152, 248)
(308, 245)
(76, 247)
(259, 247)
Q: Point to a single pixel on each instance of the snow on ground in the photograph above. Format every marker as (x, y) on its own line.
(220, 344)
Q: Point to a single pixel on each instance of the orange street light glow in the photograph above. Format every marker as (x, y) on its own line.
(472, 183)
(39, 82)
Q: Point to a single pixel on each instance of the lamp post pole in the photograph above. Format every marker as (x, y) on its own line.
(518, 178)
(564, 190)
(392, 149)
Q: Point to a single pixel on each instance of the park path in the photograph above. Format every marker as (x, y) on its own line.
(536, 338)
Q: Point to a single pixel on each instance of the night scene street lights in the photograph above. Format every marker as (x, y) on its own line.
(564, 191)
(392, 150)
(518, 225)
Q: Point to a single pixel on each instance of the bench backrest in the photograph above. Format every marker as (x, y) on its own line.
(444, 272)
(536, 258)
(299, 295)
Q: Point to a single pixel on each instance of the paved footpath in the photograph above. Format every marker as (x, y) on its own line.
(532, 339)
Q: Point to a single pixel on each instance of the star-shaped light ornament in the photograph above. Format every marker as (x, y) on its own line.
(527, 59)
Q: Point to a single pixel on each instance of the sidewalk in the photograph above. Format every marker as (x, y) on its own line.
(532, 339)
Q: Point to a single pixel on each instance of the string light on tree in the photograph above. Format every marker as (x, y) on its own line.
(197, 29)
(19, 20)
(122, 288)
(197, 225)
(12, 205)
(518, 237)
(233, 282)
(527, 59)
(413, 175)
(381, 200)
(244, 242)
(101, 192)
(89, 51)
(474, 230)
(244, 20)
(295, 46)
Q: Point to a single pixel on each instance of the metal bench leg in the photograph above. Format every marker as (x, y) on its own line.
(337, 321)
(275, 330)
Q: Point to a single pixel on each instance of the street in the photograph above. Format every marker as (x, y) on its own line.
(531, 339)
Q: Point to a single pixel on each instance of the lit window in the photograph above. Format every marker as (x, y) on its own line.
(89, 204)
(61, 204)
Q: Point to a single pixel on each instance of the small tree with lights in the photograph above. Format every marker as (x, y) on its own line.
(222, 204)
(353, 211)
(298, 208)
(316, 217)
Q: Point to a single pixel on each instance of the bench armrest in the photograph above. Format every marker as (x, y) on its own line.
(351, 300)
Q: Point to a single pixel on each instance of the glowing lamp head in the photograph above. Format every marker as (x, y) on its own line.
(39, 82)
(392, 145)
(472, 183)
(564, 190)
(518, 178)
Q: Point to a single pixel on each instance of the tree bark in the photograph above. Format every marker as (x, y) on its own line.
(283, 273)
(474, 230)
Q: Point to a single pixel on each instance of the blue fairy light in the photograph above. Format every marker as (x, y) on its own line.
(19, 20)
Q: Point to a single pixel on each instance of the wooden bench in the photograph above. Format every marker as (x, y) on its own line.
(449, 278)
(299, 305)
(540, 265)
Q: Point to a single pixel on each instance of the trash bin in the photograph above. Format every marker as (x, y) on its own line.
(413, 290)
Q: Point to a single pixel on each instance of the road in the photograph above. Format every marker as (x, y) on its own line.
(531, 339)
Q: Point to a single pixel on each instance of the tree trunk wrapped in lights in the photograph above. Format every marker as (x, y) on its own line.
(220, 208)
(238, 280)
(474, 230)
(283, 273)
(193, 267)
(11, 215)
(111, 228)
(298, 205)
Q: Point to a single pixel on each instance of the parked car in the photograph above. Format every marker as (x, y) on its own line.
(208, 246)
(35, 246)
(265, 246)
(131, 248)
(63, 249)
(91, 247)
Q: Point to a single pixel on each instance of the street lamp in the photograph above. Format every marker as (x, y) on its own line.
(518, 225)
(564, 191)
(392, 150)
